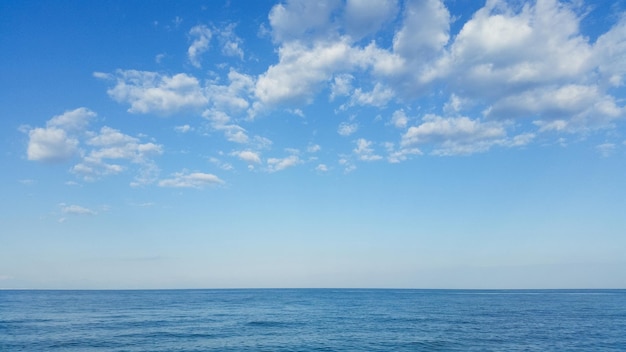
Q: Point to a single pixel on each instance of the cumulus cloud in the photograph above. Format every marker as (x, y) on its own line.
(74, 120)
(232, 97)
(609, 52)
(58, 141)
(346, 129)
(295, 18)
(50, 144)
(399, 154)
(313, 148)
(185, 179)
(458, 135)
(230, 42)
(378, 97)
(341, 86)
(152, 92)
(248, 156)
(424, 32)
(220, 121)
(512, 72)
(277, 164)
(110, 144)
(67, 137)
(364, 150)
(399, 119)
(511, 61)
(363, 17)
(578, 106)
(532, 61)
(301, 71)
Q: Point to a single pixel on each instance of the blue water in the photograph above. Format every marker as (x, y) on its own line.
(313, 320)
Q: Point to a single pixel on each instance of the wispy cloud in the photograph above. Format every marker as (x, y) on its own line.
(201, 35)
(72, 209)
(186, 179)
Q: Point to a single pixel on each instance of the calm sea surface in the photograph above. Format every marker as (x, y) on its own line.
(313, 320)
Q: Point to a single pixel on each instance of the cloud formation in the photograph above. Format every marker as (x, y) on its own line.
(151, 92)
(58, 141)
(201, 35)
(108, 151)
(75, 210)
(399, 79)
(185, 179)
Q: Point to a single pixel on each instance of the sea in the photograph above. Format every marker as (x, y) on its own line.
(313, 320)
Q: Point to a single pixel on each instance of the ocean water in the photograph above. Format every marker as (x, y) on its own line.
(313, 320)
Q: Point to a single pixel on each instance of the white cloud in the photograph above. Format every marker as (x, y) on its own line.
(183, 128)
(378, 97)
(190, 180)
(364, 150)
(301, 70)
(110, 144)
(532, 61)
(296, 112)
(436, 128)
(75, 210)
(396, 155)
(58, 141)
(520, 140)
(220, 121)
(399, 119)
(147, 174)
(578, 106)
(297, 18)
(347, 164)
(511, 66)
(202, 38)
(321, 168)
(151, 92)
(277, 164)
(230, 42)
(220, 164)
(539, 44)
(66, 137)
(233, 97)
(460, 135)
(454, 104)
(159, 58)
(346, 129)
(364, 17)
(341, 86)
(50, 145)
(610, 54)
(74, 120)
(424, 32)
(248, 156)
(313, 148)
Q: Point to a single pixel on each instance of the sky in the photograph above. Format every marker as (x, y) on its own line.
(337, 143)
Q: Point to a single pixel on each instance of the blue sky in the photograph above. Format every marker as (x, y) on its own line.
(423, 144)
